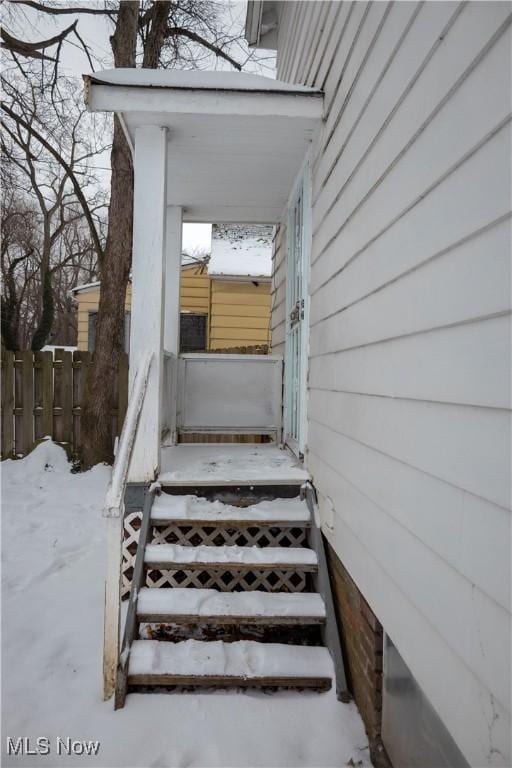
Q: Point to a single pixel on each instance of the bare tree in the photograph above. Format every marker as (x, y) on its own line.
(81, 266)
(18, 231)
(152, 33)
(40, 193)
(73, 261)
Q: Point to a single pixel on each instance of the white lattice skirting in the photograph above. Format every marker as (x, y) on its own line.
(224, 581)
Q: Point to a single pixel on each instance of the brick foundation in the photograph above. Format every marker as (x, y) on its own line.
(362, 641)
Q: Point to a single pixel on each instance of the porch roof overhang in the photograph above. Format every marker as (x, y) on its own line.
(236, 141)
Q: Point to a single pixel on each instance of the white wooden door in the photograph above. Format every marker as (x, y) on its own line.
(297, 316)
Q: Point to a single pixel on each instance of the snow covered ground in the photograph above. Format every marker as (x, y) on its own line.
(52, 586)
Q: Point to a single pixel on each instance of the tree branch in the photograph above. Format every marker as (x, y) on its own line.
(86, 49)
(182, 32)
(76, 186)
(31, 50)
(59, 10)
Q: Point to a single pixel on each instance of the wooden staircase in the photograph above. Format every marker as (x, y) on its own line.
(238, 613)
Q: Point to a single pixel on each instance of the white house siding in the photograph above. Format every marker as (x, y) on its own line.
(409, 371)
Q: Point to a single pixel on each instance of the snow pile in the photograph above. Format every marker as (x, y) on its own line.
(53, 583)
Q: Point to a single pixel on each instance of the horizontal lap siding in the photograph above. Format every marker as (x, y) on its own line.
(240, 311)
(87, 302)
(194, 290)
(455, 690)
(409, 373)
(302, 27)
(194, 297)
(240, 314)
(468, 617)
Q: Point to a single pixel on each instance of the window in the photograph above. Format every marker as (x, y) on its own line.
(192, 332)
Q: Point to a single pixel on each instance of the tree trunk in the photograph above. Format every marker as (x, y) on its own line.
(10, 314)
(156, 35)
(45, 324)
(114, 269)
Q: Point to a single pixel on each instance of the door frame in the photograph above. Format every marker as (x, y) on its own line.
(302, 182)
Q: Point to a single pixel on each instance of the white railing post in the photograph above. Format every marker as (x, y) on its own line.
(169, 393)
(173, 245)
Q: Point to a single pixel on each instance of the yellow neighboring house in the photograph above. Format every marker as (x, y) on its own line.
(225, 304)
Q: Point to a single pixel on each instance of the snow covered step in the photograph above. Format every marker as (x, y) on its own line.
(229, 465)
(193, 509)
(188, 605)
(245, 662)
(176, 557)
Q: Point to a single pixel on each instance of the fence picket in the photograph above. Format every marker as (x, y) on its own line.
(42, 395)
(27, 400)
(7, 404)
(18, 404)
(47, 393)
(67, 396)
(38, 395)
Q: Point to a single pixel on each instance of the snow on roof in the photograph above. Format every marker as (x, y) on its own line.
(249, 258)
(196, 79)
(186, 261)
(241, 251)
(85, 287)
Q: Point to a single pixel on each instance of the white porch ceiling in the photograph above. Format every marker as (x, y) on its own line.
(236, 141)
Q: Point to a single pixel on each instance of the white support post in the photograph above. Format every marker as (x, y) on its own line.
(174, 221)
(148, 280)
(173, 247)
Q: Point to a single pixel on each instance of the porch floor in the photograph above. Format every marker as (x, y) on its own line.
(229, 464)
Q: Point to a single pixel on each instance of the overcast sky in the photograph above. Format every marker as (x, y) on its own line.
(95, 31)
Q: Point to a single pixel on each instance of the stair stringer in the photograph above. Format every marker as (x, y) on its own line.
(131, 622)
(322, 584)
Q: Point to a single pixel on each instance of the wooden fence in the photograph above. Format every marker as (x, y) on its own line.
(42, 395)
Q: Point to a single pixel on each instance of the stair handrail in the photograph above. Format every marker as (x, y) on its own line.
(117, 485)
(113, 511)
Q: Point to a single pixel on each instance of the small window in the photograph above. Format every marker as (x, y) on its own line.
(192, 332)
(91, 334)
